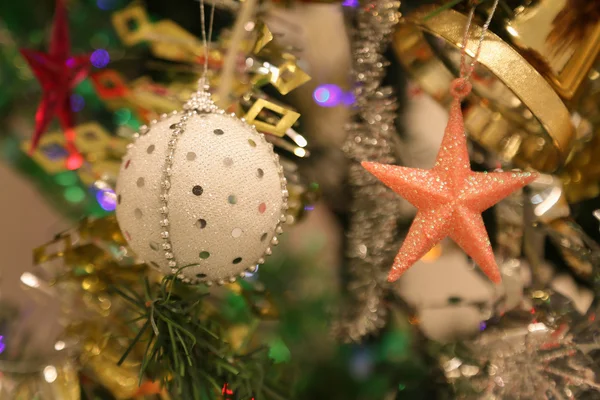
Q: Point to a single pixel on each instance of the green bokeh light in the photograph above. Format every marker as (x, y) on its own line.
(66, 178)
(74, 194)
(122, 116)
(394, 346)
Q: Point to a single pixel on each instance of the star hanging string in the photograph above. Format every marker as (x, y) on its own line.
(58, 72)
(450, 197)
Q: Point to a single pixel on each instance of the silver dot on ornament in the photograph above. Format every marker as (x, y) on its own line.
(264, 236)
(236, 232)
(150, 149)
(154, 246)
(237, 260)
(191, 156)
(228, 162)
(201, 223)
(119, 199)
(140, 182)
(155, 265)
(231, 199)
(260, 173)
(204, 255)
(138, 213)
(252, 143)
(218, 132)
(200, 276)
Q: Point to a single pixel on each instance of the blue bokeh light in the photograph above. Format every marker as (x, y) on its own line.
(107, 199)
(106, 4)
(77, 102)
(100, 58)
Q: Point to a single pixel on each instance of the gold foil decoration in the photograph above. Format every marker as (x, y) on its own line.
(167, 39)
(94, 143)
(84, 261)
(100, 356)
(274, 65)
(40, 381)
(263, 38)
(513, 111)
(287, 119)
(284, 74)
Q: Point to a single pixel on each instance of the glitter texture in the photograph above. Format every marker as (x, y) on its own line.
(545, 352)
(58, 73)
(372, 235)
(186, 203)
(450, 199)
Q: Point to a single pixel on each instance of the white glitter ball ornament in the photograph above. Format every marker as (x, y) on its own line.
(201, 190)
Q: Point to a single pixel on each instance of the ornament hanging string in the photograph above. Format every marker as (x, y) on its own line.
(206, 42)
(466, 72)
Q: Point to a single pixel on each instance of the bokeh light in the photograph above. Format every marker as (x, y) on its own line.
(77, 102)
(328, 95)
(350, 3)
(74, 161)
(74, 194)
(2, 344)
(122, 116)
(107, 199)
(100, 58)
(106, 4)
(66, 178)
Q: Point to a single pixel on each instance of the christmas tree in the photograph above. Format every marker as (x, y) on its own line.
(299, 200)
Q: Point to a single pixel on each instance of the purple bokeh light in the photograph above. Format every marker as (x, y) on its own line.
(482, 326)
(77, 102)
(350, 3)
(328, 95)
(100, 58)
(2, 344)
(106, 4)
(107, 199)
(348, 98)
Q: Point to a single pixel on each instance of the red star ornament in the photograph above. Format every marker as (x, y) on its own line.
(58, 72)
(450, 197)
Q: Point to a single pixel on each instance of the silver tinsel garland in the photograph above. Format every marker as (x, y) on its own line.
(371, 241)
(544, 350)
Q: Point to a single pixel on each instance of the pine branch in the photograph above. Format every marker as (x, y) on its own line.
(186, 351)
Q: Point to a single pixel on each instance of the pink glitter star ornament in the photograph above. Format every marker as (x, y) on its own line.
(450, 197)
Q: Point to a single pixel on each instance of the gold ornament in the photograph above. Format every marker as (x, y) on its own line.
(167, 39)
(40, 381)
(274, 65)
(524, 90)
(101, 151)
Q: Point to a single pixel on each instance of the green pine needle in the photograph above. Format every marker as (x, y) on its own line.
(188, 353)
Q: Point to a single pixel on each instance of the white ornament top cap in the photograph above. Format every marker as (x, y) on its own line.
(201, 100)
